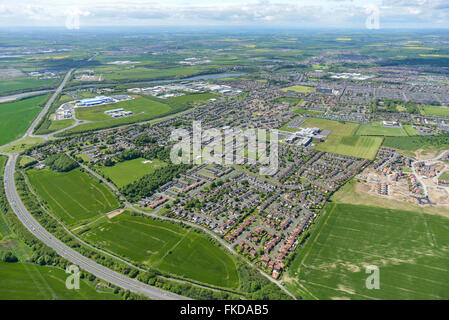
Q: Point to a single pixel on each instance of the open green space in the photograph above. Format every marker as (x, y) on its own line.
(26, 84)
(167, 247)
(56, 125)
(409, 248)
(376, 129)
(123, 173)
(189, 98)
(342, 139)
(73, 196)
(429, 143)
(21, 145)
(301, 89)
(139, 106)
(17, 116)
(440, 111)
(28, 281)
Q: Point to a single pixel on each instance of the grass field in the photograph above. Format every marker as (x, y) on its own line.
(427, 143)
(410, 130)
(409, 248)
(27, 281)
(22, 145)
(379, 130)
(16, 117)
(15, 85)
(189, 98)
(301, 89)
(73, 196)
(342, 139)
(60, 124)
(139, 106)
(126, 172)
(167, 247)
(435, 110)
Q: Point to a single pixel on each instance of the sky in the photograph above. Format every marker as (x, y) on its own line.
(76, 14)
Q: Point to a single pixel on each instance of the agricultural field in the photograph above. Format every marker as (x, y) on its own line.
(165, 246)
(123, 173)
(139, 106)
(26, 84)
(17, 116)
(73, 196)
(342, 139)
(28, 281)
(409, 248)
(301, 89)
(378, 130)
(440, 111)
(427, 143)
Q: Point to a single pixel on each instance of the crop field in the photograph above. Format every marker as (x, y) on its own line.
(27, 281)
(17, 116)
(139, 106)
(409, 249)
(167, 247)
(436, 111)
(73, 196)
(379, 130)
(301, 89)
(123, 173)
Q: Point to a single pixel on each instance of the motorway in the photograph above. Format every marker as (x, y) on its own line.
(68, 253)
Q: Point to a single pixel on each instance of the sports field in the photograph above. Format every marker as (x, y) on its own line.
(441, 111)
(28, 281)
(301, 89)
(16, 117)
(138, 106)
(123, 173)
(167, 247)
(379, 130)
(73, 196)
(342, 139)
(409, 248)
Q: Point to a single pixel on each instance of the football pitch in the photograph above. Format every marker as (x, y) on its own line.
(410, 249)
(73, 196)
(167, 247)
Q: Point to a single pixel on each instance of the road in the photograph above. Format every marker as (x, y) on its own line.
(29, 132)
(68, 253)
(22, 95)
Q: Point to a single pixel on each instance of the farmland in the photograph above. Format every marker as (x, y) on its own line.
(123, 173)
(17, 117)
(408, 247)
(73, 196)
(27, 281)
(167, 247)
(342, 139)
(25, 84)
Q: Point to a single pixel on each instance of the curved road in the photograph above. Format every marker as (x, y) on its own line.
(68, 253)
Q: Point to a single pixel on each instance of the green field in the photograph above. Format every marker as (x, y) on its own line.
(22, 145)
(189, 98)
(139, 106)
(123, 173)
(17, 116)
(441, 111)
(27, 281)
(428, 143)
(301, 89)
(410, 130)
(27, 84)
(409, 248)
(60, 124)
(342, 140)
(167, 247)
(379, 130)
(73, 196)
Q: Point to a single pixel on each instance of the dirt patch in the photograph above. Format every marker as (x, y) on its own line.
(114, 213)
